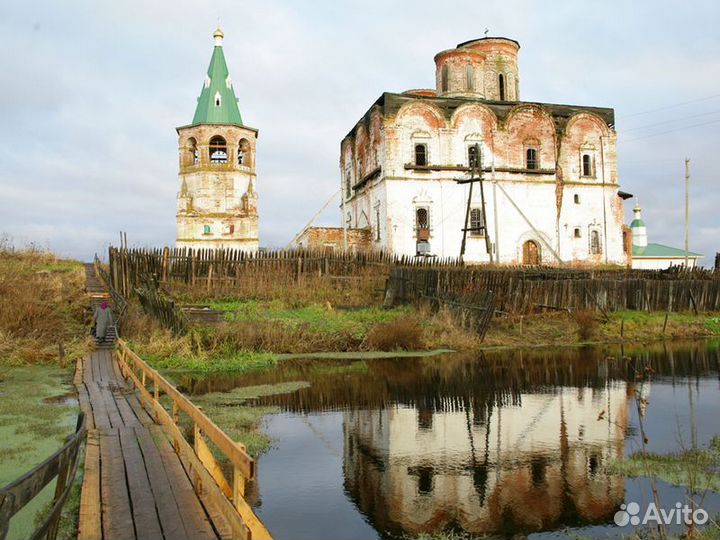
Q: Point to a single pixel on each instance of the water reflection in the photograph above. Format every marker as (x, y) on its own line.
(513, 442)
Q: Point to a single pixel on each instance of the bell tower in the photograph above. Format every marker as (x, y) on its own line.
(217, 201)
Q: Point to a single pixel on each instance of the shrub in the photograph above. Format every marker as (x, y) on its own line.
(401, 333)
(587, 323)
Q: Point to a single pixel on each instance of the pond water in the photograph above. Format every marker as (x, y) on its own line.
(508, 443)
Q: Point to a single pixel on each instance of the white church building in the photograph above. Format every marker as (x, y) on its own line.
(549, 192)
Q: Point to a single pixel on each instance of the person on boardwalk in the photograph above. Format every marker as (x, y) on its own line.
(103, 320)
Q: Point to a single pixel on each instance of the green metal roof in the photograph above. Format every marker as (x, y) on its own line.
(660, 251)
(207, 112)
(637, 223)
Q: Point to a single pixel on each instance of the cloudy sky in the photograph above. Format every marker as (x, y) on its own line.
(92, 91)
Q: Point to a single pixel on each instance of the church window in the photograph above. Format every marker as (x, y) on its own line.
(587, 165)
(595, 248)
(218, 99)
(501, 86)
(531, 158)
(473, 156)
(229, 228)
(348, 184)
(218, 150)
(470, 78)
(422, 223)
(192, 154)
(421, 155)
(206, 229)
(477, 223)
(425, 480)
(577, 232)
(243, 152)
(576, 198)
(444, 76)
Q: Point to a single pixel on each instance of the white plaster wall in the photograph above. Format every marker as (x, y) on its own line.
(661, 264)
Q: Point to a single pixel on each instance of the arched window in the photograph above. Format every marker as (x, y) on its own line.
(473, 156)
(501, 86)
(192, 156)
(470, 78)
(595, 247)
(206, 229)
(218, 150)
(244, 152)
(218, 99)
(444, 75)
(477, 223)
(587, 165)
(421, 154)
(531, 161)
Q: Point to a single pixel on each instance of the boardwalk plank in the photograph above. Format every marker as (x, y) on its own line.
(194, 517)
(167, 507)
(141, 414)
(90, 521)
(126, 412)
(116, 514)
(102, 421)
(145, 515)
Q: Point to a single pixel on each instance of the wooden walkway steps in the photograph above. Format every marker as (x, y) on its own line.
(140, 481)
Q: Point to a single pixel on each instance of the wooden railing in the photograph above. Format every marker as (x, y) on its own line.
(62, 464)
(227, 495)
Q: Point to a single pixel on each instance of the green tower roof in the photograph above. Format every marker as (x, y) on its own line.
(637, 223)
(217, 103)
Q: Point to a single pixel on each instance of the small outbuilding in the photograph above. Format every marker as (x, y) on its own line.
(650, 256)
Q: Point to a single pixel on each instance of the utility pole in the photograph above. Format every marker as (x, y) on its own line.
(687, 209)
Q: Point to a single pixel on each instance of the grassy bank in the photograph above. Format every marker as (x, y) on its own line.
(696, 469)
(257, 333)
(43, 310)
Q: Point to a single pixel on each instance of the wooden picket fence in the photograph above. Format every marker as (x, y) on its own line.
(518, 291)
(225, 268)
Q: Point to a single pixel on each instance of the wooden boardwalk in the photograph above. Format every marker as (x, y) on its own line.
(136, 485)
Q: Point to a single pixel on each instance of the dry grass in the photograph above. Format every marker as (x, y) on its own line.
(442, 331)
(587, 324)
(364, 288)
(404, 333)
(42, 307)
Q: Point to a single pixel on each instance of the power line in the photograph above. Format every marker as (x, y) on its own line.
(673, 130)
(670, 121)
(672, 106)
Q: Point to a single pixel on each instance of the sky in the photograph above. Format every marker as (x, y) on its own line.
(92, 90)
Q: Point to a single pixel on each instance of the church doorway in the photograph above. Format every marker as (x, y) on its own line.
(531, 253)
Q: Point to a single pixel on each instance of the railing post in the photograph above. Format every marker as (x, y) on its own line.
(156, 388)
(175, 414)
(238, 482)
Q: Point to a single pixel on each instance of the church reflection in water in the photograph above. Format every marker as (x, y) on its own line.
(504, 444)
(533, 464)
